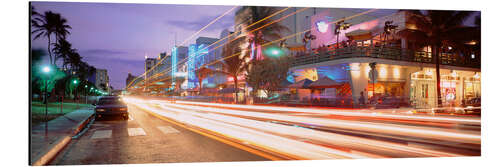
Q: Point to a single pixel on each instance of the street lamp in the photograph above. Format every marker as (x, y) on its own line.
(46, 70)
(274, 51)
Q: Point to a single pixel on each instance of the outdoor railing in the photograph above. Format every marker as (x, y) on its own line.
(390, 53)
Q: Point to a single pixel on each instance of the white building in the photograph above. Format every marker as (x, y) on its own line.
(102, 80)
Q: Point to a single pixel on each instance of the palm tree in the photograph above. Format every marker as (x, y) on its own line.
(201, 74)
(437, 28)
(33, 13)
(259, 36)
(62, 29)
(47, 24)
(63, 50)
(75, 61)
(234, 63)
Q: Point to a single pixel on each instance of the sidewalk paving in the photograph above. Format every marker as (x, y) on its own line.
(47, 138)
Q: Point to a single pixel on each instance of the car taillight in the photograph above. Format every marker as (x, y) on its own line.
(123, 109)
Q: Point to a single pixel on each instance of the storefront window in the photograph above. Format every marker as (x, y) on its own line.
(472, 88)
(386, 89)
(449, 90)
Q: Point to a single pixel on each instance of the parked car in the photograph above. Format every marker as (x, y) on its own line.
(473, 106)
(111, 106)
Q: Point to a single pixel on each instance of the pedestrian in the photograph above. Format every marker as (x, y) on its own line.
(361, 99)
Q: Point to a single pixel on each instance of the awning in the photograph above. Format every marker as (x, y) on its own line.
(359, 34)
(299, 48)
(325, 82)
(301, 84)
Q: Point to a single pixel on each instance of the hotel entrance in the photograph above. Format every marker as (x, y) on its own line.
(457, 87)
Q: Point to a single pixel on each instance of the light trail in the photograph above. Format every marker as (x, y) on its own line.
(185, 59)
(298, 149)
(213, 21)
(366, 147)
(398, 130)
(206, 26)
(356, 143)
(473, 121)
(263, 26)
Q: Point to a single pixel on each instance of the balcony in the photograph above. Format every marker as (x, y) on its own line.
(380, 52)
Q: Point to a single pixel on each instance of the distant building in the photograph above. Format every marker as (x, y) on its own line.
(179, 57)
(129, 79)
(149, 63)
(101, 80)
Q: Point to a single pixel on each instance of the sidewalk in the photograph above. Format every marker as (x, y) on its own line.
(49, 138)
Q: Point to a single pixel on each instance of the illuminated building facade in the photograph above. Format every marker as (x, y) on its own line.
(200, 54)
(179, 54)
(404, 69)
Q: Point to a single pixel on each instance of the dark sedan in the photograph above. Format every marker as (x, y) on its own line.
(111, 105)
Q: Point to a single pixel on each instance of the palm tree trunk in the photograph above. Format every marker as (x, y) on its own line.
(437, 58)
(200, 80)
(236, 90)
(48, 49)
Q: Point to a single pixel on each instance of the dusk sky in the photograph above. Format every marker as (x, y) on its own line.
(116, 36)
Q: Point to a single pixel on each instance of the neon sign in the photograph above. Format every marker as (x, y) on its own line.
(322, 26)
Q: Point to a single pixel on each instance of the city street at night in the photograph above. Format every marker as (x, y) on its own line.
(125, 83)
(144, 138)
(160, 131)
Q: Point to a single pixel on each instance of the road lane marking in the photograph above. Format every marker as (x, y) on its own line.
(136, 132)
(168, 129)
(101, 134)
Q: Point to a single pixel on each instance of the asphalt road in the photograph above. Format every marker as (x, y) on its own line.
(145, 138)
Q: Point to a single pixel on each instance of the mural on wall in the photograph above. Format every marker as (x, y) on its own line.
(335, 72)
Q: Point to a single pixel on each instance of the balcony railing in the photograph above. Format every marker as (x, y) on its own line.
(390, 53)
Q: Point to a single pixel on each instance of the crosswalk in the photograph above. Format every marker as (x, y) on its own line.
(104, 134)
(101, 134)
(136, 132)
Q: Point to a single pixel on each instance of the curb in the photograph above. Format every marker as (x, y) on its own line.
(60, 144)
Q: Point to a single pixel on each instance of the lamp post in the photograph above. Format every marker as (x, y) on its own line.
(85, 92)
(75, 81)
(46, 70)
(91, 92)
